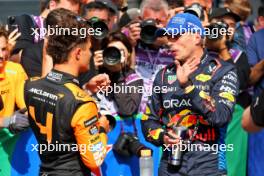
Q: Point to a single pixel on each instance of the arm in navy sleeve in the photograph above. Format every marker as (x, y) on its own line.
(217, 107)
(151, 125)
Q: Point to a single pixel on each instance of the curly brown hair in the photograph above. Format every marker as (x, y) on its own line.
(60, 45)
(3, 32)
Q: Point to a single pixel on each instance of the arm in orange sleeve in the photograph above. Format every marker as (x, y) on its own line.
(19, 87)
(86, 130)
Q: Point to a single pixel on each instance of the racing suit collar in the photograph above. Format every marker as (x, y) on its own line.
(204, 57)
(60, 77)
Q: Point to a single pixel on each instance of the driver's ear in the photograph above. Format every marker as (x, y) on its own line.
(198, 39)
(77, 53)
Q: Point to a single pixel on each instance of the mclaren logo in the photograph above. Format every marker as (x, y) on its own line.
(44, 93)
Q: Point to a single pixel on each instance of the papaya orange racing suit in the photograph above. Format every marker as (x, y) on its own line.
(64, 120)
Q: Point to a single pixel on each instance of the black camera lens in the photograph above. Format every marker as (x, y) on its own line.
(195, 9)
(100, 28)
(216, 30)
(128, 144)
(148, 31)
(121, 145)
(111, 56)
(11, 19)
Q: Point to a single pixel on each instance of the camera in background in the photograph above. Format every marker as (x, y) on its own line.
(128, 145)
(195, 9)
(217, 30)
(98, 24)
(111, 56)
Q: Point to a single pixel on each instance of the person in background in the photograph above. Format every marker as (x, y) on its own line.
(255, 52)
(235, 135)
(32, 58)
(153, 56)
(12, 78)
(123, 105)
(253, 120)
(260, 18)
(244, 30)
(105, 11)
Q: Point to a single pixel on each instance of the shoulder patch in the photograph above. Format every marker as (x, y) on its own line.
(90, 122)
(78, 93)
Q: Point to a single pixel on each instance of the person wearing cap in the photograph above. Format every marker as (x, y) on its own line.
(244, 30)
(200, 95)
(151, 55)
(255, 54)
(224, 48)
(105, 11)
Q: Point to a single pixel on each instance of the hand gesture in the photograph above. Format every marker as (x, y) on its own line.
(12, 39)
(98, 58)
(184, 71)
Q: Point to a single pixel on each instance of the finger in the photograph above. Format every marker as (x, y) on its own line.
(98, 52)
(107, 78)
(178, 65)
(134, 25)
(191, 70)
(194, 64)
(188, 62)
(172, 134)
(16, 36)
(99, 78)
(167, 140)
(98, 58)
(178, 10)
(11, 35)
(173, 141)
(98, 63)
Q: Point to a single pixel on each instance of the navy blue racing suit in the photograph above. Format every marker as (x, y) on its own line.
(207, 103)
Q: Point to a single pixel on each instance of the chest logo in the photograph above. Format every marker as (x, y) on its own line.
(172, 79)
(203, 77)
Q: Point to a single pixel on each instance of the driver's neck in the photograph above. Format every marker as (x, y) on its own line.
(67, 68)
(197, 54)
